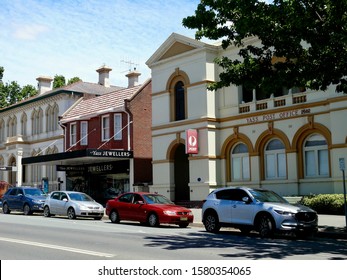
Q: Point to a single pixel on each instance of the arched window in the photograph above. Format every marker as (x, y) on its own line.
(12, 126)
(55, 117)
(52, 113)
(49, 118)
(316, 156)
(2, 131)
(40, 121)
(179, 101)
(240, 170)
(275, 160)
(24, 121)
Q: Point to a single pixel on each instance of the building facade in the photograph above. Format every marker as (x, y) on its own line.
(31, 131)
(116, 129)
(290, 142)
(107, 147)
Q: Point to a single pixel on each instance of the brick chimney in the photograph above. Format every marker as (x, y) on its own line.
(133, 78)
(104, 75)
(44, 84)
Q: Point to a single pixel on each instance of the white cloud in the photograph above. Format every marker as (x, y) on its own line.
(29, 32)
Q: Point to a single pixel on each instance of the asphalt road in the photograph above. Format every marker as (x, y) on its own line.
(57, 238)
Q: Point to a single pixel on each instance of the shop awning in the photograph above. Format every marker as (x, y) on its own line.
(87, 156)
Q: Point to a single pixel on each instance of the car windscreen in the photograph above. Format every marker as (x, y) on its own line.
(80, 197)
(157, 199)
(267, 196)
(33, 192)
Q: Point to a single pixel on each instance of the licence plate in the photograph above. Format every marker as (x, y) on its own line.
(184, 219)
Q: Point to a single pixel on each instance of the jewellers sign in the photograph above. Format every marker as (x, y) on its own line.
(192, 146)
(109, 153)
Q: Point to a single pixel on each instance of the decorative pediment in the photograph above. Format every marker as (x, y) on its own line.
(176, 48)
(174, 45)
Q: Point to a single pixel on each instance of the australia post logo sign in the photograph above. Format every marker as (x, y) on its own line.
(192, 141)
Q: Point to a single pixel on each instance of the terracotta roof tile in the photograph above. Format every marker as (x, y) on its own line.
(88, 106)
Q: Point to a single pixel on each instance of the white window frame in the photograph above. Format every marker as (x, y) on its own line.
(278, 163)
(73, 134)
(118, 127)
(84, 133)
(316, 152)
(105, 128)
(243, 172)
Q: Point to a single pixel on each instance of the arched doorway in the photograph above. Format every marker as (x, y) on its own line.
(12, 178)
(181, 173)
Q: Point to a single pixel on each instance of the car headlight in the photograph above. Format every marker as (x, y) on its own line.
(37, 201)
(285, 213)
(169, 213)
(82, 207)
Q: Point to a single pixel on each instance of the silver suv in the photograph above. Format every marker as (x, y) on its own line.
(256, 209)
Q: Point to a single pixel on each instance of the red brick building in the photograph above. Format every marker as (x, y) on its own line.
(107, 141)
(110, 135)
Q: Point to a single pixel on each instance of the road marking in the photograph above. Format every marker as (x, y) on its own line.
(57, 247)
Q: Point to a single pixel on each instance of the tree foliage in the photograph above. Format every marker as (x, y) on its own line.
(59, 81)
(73, 80)
(12, 92)
(303, 42)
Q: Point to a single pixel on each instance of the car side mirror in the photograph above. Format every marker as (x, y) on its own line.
(139, 202)
(246, 200)
(65, 199)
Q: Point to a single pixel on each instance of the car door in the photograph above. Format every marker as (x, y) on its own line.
(62, 204)
(223, 204)
(19, 199)
(124, 206)
(242, 212)
(54, 202)
(12, 199)
(135, 208)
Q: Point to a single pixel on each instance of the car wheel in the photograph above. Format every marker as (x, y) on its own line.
(5, 209)
(183, 225)
(71, 213)
(114, 217)
(211, 222)
(265, 226)
(46, 212)
(26, 209)
(153, 220)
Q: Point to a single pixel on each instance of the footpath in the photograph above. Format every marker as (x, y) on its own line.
(329, 226)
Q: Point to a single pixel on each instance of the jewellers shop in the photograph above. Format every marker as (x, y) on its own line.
(103, 174)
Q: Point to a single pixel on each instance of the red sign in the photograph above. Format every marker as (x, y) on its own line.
(192, 141)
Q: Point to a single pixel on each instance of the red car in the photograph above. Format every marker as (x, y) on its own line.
(147, 208)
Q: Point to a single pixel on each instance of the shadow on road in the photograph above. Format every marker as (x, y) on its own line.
(252, 247)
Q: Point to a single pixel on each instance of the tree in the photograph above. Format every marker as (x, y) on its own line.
(12, 92)
(1, 73)
(28, 91)
(303, 42)
(59, 81)
(73, 80)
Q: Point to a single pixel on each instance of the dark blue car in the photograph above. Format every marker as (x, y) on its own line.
(25, 199)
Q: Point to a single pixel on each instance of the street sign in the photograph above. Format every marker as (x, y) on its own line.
(342, 164)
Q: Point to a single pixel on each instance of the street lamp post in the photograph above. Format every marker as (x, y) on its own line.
(342, 168)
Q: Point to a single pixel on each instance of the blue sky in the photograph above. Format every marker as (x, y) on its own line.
(75, 37)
